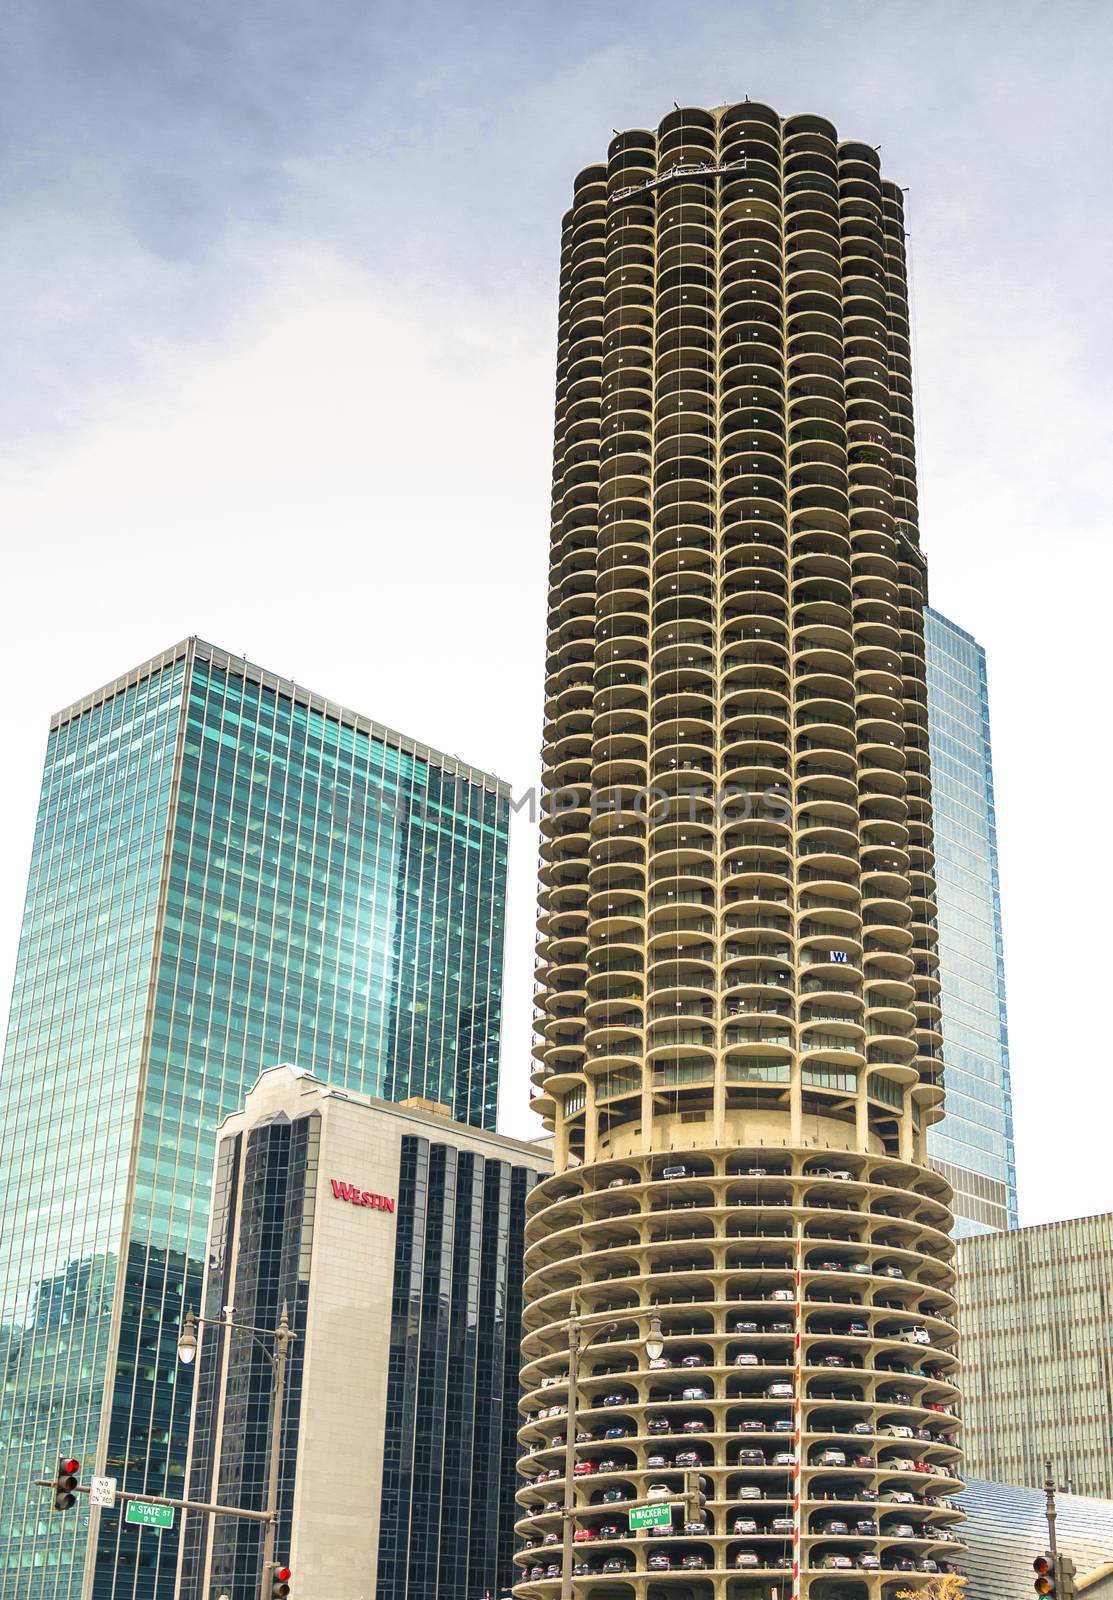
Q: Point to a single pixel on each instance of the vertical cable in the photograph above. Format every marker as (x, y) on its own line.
(797, 1420)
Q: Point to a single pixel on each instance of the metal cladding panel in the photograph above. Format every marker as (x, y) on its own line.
(1006, 1529)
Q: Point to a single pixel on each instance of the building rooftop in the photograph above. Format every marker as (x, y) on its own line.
(438, 1120)
(203, 651)
(1012, 1239)
(1006, 1529)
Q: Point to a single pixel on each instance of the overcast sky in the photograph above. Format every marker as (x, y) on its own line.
(278, 293)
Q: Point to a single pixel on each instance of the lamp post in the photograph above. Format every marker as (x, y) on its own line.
(580, 1336)
(283, 1338)
(1049, 1493)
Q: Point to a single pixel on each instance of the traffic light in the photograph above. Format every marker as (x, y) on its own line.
(280, 1583)
(1044, 1568)
(694, 1498)
(65, 1482)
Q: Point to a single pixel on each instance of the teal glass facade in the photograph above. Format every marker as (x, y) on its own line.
(973, 1145)
(228, 872)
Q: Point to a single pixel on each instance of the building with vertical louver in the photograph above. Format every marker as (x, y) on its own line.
(1036, 1316)
(738, 1045)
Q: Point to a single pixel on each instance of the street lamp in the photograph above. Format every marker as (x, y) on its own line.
(579, 1338)
(654, 1343)
(188, 1345)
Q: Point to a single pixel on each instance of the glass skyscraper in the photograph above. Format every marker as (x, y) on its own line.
(973, 1145)
(228, 872)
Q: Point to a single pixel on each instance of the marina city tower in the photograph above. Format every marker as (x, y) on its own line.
(738, 1046)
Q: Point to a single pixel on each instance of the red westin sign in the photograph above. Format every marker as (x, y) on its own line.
(361, 1197)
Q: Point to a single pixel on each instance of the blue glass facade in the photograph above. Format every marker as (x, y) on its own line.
(451, 1436)
(973, 1145)
(269, 1179)
(227, 872)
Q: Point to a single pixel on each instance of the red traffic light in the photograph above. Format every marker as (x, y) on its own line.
(284, 1574)
(65, 1482)
(1044, 1568)
(280, 1584)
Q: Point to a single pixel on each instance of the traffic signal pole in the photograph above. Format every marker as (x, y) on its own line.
(691, 1499)
(570, 1451)
(578, 1341)
(1055, 1572)
(274, 1579)
(164, 1500)
(281, 1346)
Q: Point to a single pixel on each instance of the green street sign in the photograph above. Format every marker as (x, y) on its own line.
(145, 1515)
(650, 1517)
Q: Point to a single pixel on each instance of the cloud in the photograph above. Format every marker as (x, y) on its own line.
(278, 287)
(1016, 434)
(352, 490)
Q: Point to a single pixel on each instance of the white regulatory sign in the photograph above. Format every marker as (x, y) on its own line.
(102, 1492)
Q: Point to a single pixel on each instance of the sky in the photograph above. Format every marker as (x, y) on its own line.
(278, 311)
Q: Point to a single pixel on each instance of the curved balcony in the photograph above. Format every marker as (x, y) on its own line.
(741, 983)
(721, 1395)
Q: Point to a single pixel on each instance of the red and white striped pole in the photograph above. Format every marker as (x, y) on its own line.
(797, 1430)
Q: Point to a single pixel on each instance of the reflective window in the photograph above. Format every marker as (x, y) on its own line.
(973, 1145)
(224, 877)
